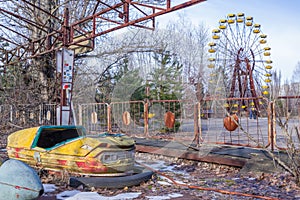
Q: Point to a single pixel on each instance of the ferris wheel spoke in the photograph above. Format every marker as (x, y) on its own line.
(258, 52)
(249, 36)
(228, 43)
(253, 42)
(239, 35)
(234, 38)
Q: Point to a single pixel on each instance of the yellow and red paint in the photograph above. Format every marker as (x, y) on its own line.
(82, 155)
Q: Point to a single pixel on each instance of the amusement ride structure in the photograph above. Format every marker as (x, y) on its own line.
(62, 38)
(240, 61)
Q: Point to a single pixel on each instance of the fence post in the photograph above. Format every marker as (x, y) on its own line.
(108, 118)
(11, 114)
(271, 114)
(80, 114)
(197, 122)
(146, 125)
(41, 110)
(273, 125)
(200, 123)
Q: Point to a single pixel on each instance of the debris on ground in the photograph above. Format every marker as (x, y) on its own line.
(187, 174)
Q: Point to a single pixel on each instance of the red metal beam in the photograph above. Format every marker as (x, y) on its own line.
(32, 23)
(132, 22)
(289, 97)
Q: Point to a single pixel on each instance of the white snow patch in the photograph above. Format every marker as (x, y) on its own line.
(157, 165)
(169, 196)
(77, 195)
(175, 195)
(66, 194)
(160, 165)
(157, 197)
(164, 183)
(165, 178)
(168, 168)
(180, 182)
(48, 188)
(169, 181)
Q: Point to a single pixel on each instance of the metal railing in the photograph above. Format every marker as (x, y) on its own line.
(252, 132)
(276, 125)
(25, 115)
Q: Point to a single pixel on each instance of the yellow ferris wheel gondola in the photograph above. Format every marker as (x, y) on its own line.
(268, 67)
(249, 21)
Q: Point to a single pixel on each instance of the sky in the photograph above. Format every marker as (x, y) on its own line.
(279, 20)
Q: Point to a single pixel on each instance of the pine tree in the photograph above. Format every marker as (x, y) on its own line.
(166, 78)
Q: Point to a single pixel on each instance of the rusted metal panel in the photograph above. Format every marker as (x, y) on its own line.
(169, 118)
(192, 155)
(231, 122)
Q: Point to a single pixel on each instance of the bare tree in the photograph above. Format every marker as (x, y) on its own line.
(276, 84)
(296, 74)
(295, 80)
(185, 44)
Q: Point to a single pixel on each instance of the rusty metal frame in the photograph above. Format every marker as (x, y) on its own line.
(65, 36)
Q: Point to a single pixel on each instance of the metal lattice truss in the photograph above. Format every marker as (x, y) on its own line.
(42, 27)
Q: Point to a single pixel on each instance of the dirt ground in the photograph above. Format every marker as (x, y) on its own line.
(196, 180)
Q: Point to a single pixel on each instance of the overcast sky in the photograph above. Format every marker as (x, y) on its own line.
(279, 20)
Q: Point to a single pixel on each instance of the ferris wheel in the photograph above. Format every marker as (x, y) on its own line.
(240, 59)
